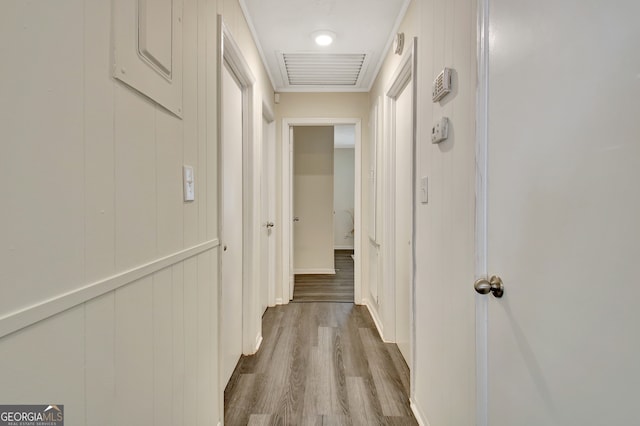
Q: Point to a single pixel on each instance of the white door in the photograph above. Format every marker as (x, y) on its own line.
(403, 216)
(313, 200)
(231, 267)
(267, 196)
(564, 213)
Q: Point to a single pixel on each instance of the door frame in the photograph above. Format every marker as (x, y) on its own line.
(269, 117)
(405, 74)
(287, 202)
(481, 227)
(230, 55)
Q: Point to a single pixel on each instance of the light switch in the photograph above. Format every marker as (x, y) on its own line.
(424, 189)
(189, 183)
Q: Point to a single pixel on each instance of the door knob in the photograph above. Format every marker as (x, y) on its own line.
(493, 285)
(296, 219)
(270, 225)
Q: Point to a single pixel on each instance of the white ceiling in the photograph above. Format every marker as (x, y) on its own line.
(364, 32)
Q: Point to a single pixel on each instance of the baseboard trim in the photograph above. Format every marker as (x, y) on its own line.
(327, 271)
(343, 247)
(15, 321)
(376, 319)
(279, 301)
(420, 418)
(258, 342)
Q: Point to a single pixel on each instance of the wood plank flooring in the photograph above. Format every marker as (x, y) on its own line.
(320, 364)
(327, 288)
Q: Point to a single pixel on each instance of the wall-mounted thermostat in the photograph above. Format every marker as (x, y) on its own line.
(442, 85)
(440, 130)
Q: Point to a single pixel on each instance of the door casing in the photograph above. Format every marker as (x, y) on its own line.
(230, 56)
(268, 149)
(404, 78)
(287, 202)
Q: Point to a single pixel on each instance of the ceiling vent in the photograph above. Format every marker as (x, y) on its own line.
(323, 69)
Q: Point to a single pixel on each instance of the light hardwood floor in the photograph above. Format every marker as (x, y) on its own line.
(320, 364)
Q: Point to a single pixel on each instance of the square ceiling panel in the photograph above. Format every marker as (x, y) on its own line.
(323, 69)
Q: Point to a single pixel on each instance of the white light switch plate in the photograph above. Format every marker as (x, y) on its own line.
(189, 183)
(424, 189)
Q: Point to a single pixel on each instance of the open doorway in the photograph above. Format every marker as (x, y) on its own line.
(295, 216)
(323, 205)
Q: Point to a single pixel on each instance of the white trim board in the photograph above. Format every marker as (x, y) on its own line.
(230, 55)
(481, 266)
(258, 342)
(420, 418)
(320, 271)
(22, 318)
(376, 319)
(343, 247)
(405, 74)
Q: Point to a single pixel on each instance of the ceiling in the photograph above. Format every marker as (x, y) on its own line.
(364, 31)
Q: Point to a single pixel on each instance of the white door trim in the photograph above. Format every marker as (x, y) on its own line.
(405, 73)
(269, 117)
(482, 122)
(230, 55)
(287, 220)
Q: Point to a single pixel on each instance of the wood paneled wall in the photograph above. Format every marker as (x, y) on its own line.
(444, 357)
(92, 196)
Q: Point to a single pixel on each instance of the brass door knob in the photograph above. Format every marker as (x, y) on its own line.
(493, 285)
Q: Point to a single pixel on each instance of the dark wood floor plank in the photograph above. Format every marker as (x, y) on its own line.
(327, 287)
(260, 420)
(336, 420)
(240, 398)
(363, 406)
(312, 421)
(319, 364)
(400, 365)
(393, 398)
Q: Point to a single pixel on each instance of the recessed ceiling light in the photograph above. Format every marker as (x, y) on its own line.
(323, 38)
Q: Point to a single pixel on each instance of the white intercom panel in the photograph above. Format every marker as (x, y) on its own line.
(442, 85)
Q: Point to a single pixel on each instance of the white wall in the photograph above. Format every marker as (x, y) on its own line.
(313, 199)
(445, 332)
(444, 363)
(377, 298)
(91, 179)
(109, 280)
(343, 193)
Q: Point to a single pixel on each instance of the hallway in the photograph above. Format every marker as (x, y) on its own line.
(495, 170)
(320, 364)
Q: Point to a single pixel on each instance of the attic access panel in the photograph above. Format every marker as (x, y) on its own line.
(323, 69)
